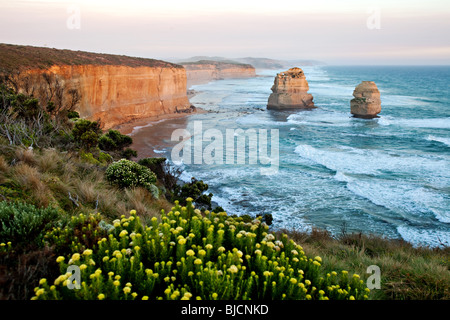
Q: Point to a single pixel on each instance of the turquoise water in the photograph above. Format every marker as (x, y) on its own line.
(388, 176)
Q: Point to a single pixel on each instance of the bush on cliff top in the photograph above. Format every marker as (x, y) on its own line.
(23, 224)
(125, 173)
(114, 140)
(194, 189)
(86, 133)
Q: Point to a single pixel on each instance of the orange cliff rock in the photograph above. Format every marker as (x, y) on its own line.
(119, 94)
(367, 101)
(114, 89)
(204, 71)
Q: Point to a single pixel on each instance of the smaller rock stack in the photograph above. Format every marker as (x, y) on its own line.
(290, 90)
(367, 103)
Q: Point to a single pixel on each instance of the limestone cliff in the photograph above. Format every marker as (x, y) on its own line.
(114, 89)
(367, 102)
(290, 90)
(118, 94)
(205, 71)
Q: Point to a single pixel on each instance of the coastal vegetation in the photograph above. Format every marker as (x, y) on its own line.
(187, 254)
(137, 232)
(407, 272)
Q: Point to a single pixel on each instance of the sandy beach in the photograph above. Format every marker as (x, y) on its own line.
(151, 136)
(128, 127)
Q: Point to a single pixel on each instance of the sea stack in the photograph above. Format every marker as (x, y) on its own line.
(367, 103)
(290, 90)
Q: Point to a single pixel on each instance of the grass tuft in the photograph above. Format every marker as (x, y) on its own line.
(406, 272)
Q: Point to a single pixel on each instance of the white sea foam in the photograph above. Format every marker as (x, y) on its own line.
(367, 161)
(401, 100)
(228, 205)
(323, 118)
(185, 176)
(256, 119)
(150, 124)
(403, 198)
(330, 104)
(407, 187)
(411, 201)
(424, 237)
(232, 201)
(384, 121)
(445, 141)
(438, 123)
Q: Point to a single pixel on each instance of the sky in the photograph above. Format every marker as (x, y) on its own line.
(347, 32)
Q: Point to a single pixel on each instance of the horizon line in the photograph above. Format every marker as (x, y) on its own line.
(168, 59)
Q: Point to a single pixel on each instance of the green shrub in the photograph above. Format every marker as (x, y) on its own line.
(218, 209)
(86, 133)
(89, 140)
(105, 158)
(151, 162)
(24, 106)
(194, 189)
(167, 175)
(73, 115)
(128, 153)
(89, 158)
(22, 223)
(106, 143)
(101, 160)
(120, 140)
(51, 107)
(80, 233)
(26, 122)
(125, 173)
(156, 165)
(267, 218)
(114, 140)
(189, 256)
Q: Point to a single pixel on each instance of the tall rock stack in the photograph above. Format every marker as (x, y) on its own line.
(290, 90)
(367, 103)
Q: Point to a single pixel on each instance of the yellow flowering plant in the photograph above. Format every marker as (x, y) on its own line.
(187, 254)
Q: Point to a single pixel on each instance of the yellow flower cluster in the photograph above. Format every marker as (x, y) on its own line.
(189, 254)
(4, 247)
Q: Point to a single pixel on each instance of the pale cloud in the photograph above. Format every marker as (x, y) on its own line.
(247, 6)
(413, 32)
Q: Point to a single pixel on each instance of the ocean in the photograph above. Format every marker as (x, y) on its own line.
(388, 176)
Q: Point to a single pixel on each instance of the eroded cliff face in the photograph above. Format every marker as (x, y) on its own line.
(202, 72)
(116, 94)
